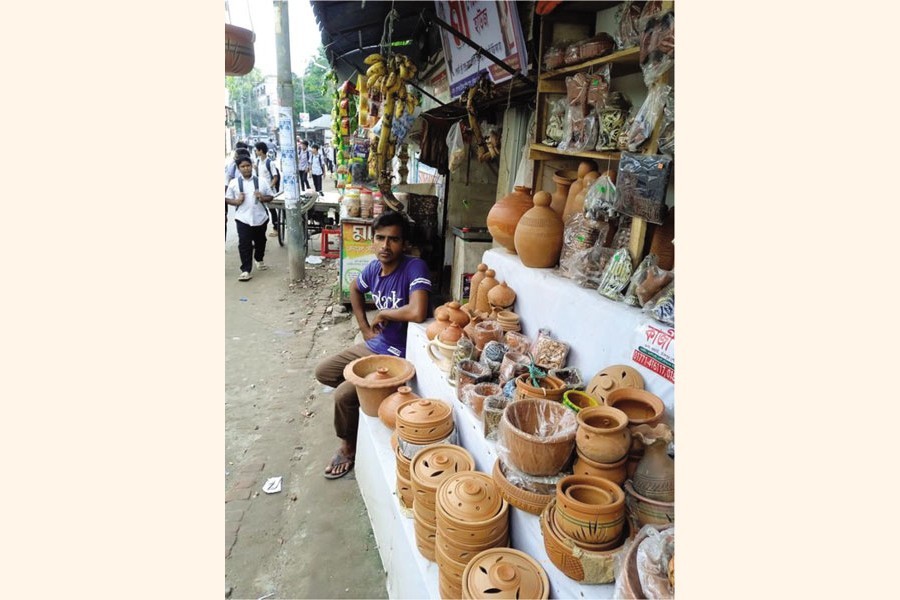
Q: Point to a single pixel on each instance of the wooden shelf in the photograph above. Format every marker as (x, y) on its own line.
(629, 56)
(543, 152)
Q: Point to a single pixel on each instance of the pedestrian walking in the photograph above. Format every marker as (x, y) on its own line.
(249, 194)
(267, 171)
(231, 171)
(399, 285)
(303, 156)
(316, 167)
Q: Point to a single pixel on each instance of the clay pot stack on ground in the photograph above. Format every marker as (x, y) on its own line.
(428, 470)
(420, 422)
(377, 377)
(472, 517)
(504, 574)
(536, 436)
(602, 443)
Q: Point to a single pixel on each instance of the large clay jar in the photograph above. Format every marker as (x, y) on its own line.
(440, 323)
(576, 204)
(504, 216)
(456, 315)
(475, 281)
(563, 181)
(539, 236)
(387, 410)
(487, 284)
(501, 296)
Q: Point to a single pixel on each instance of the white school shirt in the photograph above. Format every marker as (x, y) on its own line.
(251, 211)
(263, 172)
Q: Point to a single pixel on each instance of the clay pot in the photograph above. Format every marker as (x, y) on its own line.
(487, 331)
(377, 377)
(644, 511)
(501, 296)
(442, 310)
(654, 477)
(504, 574)
(642, 407)
(424, 421)
(603, 435)
(577, 401)
(612, 378)
(575, 561)
(661, 243)
(616, 472)
(584, 167)
(450, 334)
(465, 350)
(539, 436)
(440, 323)
(430, 468)
(487, 284)
(456, 315)
(470, 508)
(470, 371)
(590, 509)
(550, 388)
(504, 216)
(563, 181)
(441, 353)
(576, 204)
(425, 535)
(475, 281)
(404, 492)
(475, 395)
(539, 235)
(524, 499)
(387, 410)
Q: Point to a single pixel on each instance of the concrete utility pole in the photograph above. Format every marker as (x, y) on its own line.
(296, 233)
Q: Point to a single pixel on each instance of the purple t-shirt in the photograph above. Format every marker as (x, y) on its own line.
(393, 291)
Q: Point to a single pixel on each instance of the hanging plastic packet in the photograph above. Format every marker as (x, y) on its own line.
(456, 147)
(662, 306)
(600, 198)
(647, 116)
(631, 298)
(616, 275)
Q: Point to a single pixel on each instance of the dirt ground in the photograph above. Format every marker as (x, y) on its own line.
(313, 539)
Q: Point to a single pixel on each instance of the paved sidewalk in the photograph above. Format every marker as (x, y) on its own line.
(313, 539)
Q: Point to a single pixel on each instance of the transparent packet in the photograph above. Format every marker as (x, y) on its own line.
(545, 423)
(662, 306)
(616, 275)
(549, 353)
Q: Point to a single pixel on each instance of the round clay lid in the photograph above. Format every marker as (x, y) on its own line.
(434, 464)
(424, 411)
(470, 496)
(505, 573)
(613, 378)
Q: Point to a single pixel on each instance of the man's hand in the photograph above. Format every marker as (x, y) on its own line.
(369, 333)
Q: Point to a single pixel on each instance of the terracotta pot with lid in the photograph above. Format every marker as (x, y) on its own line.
(387, 410)
(504, 574)
(501, 296)
(440, 323)
(376, 377)
(456, 315)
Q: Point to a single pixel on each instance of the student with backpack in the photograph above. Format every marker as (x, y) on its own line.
(267, 171)
(316, 167)
(231, 171)
(303, 156)
(249, 194)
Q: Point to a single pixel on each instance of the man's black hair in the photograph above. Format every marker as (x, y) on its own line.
(392, 217)
(315, 146)
(241, 153)
(243, 158)
(241, 145)
(261, 146)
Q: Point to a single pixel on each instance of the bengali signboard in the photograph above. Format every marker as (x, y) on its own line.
(356, 251)
(655, 349)
(495, 27)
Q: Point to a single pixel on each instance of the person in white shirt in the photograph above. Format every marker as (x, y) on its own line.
(316, 167)
(231, 171)
(303, 155)
(249, 194)
(267, 171)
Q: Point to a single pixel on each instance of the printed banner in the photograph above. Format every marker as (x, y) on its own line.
(495, 27)
(356, 253)
(655, 349)
(291, 195)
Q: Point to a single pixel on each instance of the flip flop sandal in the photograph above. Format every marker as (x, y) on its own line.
(340, 459)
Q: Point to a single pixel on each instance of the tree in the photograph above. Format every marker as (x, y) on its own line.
(242, 89)
(316, 87)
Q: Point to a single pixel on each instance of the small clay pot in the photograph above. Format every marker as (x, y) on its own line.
(456, 315)
(616, 472)
(450, 334)
(590, 509)
(603, 435)
(440, 323)
(442, 310)
(487, 331)
(387, 410)
(475, 395)
(549, 388)
(642, 407)
(501, 296)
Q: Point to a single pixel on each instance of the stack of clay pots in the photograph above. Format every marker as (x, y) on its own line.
(585, 529)
(537, 436)
(420, 422)
(444, 316)
(471, 517)
(377, 377)
(504, 574)
(607, 381)
(602, 443)
(428, 470)
(642, 408)
(509, 321)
